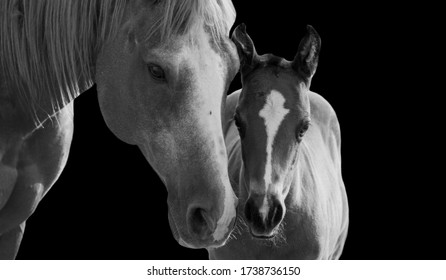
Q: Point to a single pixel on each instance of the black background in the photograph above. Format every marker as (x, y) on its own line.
(109, 204)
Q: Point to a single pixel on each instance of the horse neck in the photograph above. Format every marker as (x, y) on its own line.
(46, 68)
(302, 185)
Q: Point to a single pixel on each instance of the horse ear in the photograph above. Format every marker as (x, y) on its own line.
(306, 59)
(245, 46)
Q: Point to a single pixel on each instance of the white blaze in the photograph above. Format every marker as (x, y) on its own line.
(264, 209)
(273, 113)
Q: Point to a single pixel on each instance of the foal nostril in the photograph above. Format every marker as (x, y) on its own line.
(253, 216)
(249, 208)
(263, 218)
(200, 223)
(275, 214)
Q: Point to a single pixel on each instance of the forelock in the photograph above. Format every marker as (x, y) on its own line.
(184, 17)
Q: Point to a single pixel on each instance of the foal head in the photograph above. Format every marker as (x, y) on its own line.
(161, 84)
(272, 116)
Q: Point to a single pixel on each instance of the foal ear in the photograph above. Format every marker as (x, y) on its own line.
(245, 46)
(306, 59)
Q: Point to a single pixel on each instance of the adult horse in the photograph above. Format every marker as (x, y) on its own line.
(283, 142)
(162, 69)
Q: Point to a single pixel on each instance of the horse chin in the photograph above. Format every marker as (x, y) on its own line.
(204, 244)
(271, 236)
(263, 235)
(176, 234)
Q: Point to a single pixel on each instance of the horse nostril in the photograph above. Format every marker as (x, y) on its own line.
(276, 213)
(200, 223)
(265, 218)
(253, 216)
(249, 208)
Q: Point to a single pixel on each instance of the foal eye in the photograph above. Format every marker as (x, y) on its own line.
(239, 125)
(237, 120)
(156, 72)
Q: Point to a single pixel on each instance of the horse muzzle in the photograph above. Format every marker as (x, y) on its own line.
(203, 229)
(263, 215)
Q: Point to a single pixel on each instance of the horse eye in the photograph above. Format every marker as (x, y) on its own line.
(239, 125)
(156, 72)
(302, 131)
(237, 120)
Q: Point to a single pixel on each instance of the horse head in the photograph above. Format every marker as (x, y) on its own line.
(272, 116)
(161, 83)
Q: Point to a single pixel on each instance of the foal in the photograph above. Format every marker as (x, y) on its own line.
(283, 143)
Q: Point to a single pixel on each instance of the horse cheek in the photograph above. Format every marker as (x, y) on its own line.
(114, 72)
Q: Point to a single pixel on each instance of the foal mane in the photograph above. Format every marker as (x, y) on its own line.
(48, 47)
